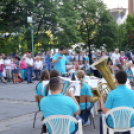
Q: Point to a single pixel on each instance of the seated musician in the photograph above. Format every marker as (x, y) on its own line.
(58, 104)
(85, 90)
(54, 73)
(44, 76)
(121, 96)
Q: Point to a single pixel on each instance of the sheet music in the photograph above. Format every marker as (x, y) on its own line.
(44, 83)
(93, 83)
(77, 87)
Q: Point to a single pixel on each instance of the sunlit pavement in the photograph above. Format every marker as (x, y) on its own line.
(17, 108)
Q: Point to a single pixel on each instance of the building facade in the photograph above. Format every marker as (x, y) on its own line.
(130, 7)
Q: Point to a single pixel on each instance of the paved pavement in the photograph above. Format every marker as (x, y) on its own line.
(17, 108)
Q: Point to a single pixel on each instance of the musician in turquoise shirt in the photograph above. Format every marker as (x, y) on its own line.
(121, 96)
(60, 60)
(85, 90)
(44, 76)
(58, 104)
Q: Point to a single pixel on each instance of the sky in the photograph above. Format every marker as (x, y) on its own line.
(116, 3)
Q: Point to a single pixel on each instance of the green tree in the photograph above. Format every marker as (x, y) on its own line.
(97, 26)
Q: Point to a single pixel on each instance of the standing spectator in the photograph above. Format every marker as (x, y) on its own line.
(60, 60)
(2, 69)
(87, 68)
(29, 63)
(115, 56)
(87, 58)
(23, 68)
(48, 63)
(122, 58)
(16, 70)
(3, 56)
(104, 54)
(39, 67)
(129, 72)
(8, 68)
(133, 57)
(128, 54)
(79, 57)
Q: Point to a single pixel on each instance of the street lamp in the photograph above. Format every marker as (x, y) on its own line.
(30, 21)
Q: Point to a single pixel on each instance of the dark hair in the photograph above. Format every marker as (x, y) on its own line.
(45, 75)
(119, 66)
(54, 73)
(61, 48)
(121, 76)
(110, 61)
(54, 83)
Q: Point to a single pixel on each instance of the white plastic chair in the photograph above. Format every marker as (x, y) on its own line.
(60, 124)
(121, 118)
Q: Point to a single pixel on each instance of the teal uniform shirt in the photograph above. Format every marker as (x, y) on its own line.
(60, 64)
(58, 105)
(85, 90)
(120, 97)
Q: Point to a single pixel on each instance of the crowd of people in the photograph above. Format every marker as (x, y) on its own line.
(47, 67)
(28, 68)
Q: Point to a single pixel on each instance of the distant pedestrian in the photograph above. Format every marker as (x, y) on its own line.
(23, 68)
(29, 63)
(8, 68)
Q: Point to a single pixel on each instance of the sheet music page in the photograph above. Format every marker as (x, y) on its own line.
(93, 83)
(77, 86)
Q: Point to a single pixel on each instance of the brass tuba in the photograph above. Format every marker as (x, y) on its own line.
(101, 65)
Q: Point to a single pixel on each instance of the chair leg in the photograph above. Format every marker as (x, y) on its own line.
(104, 126)
(132, 130)
(93, 123)
(111, 131)
(80, 127)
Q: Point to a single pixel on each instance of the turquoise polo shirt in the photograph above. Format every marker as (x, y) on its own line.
(60, 64)
(120, 97)
(129, 71)
(87, 58)
(58, 105)
(85, 90)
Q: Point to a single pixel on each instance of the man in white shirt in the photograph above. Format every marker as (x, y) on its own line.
(115, 56)
(29, 63)
(8, 68)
